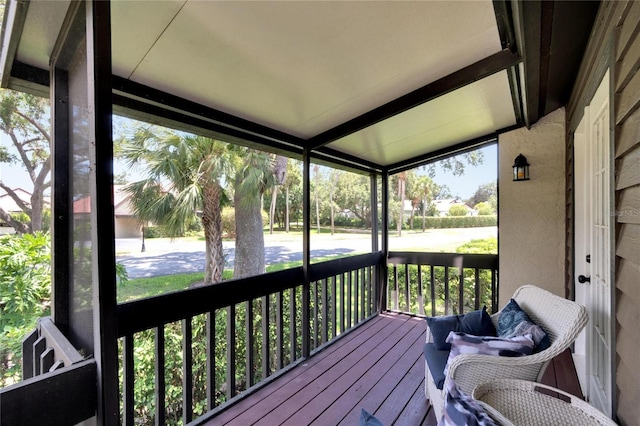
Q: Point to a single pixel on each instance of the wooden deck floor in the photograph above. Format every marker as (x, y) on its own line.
(378, 367)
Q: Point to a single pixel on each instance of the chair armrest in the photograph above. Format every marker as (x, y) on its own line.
(469, 370)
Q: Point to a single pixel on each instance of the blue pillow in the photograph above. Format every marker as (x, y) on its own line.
(461, 409)
(477, 323)
(367, 419)
(513, 321)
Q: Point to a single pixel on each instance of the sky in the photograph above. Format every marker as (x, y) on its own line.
(465, 186)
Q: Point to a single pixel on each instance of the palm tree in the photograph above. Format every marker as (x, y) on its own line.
(280, 172)
(254, 173)
(424, 190)
(317, 177)
(182, 174)
(402, 178)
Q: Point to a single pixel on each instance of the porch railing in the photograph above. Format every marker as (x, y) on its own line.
(184, 354)
(441, 283)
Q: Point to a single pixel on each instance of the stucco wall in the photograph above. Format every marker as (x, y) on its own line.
(531, 213)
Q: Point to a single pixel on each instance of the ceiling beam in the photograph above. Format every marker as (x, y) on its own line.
(527, 22)
(29, 79)
(439, 154)
(348, 160)
(504, 19)
(474, 72)
(146, 94)
(143, 111)
(15, 14)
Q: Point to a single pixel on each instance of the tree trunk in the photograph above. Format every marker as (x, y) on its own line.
(424, 209)
(272, 209)
(316, 171)
(401, 194)
(280, 173)
(36, 210)
(286, 206)
(317, 211)
(331, 204)
(411, 217)
(249, 254)
(19, 227)
(212, 224)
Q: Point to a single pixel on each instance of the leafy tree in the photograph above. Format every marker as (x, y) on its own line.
(25, 119)
(441, 192)
(353, 194)
(402, 183)
(458, 210)
(292, 192)
(422, 196)
(317, 179)
(333, 179)
(418, 189)
(484, 193)
(183, 175)
(457, 163)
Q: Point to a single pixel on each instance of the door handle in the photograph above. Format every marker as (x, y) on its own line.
(582, 279)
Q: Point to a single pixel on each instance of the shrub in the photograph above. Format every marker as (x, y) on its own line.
(484, 209)
(155, 232)
(458, 210)
(455, 222)
(485, 246)
(25, 295)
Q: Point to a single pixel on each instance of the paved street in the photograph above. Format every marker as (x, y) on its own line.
(165, 257)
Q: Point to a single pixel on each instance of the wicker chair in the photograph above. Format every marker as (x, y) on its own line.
(516, 402)
(562, 319)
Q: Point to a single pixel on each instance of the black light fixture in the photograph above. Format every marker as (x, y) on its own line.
(520, 168)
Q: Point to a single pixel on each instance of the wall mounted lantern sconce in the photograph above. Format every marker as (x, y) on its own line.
(520, 168)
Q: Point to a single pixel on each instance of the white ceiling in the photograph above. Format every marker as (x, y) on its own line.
(304, 67)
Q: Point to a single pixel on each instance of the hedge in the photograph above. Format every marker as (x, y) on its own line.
(455, 222)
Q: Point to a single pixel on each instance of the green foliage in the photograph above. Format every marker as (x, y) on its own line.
(484, 209)
(485, 246)
(21, 217)
(456, 222)
(155, 232)
(25, 294)
(144, 356)
(442, 275)
(484, 193)
(458, 210)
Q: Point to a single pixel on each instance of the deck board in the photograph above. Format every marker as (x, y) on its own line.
(378, 366)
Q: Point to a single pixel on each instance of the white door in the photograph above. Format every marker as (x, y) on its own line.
(593, 246)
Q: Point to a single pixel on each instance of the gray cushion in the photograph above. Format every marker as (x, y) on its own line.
(436, 360)
(477, 323)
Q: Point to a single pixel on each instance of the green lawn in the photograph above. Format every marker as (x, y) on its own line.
(140, 288)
